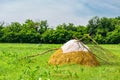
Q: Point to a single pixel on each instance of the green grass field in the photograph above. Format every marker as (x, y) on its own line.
(13, 67)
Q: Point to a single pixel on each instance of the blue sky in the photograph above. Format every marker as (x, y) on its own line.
(57, 11)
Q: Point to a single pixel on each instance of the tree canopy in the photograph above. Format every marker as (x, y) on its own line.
(103, 30)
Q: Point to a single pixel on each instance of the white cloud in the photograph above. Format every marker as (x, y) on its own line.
(57, 12)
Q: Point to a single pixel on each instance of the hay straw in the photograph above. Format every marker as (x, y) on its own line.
(79, 57)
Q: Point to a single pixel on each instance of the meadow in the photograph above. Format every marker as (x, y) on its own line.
(13, 65)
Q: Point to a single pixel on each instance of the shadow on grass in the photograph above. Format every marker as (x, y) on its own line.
(111, 64)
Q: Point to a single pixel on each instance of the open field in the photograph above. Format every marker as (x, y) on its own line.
(13, 67)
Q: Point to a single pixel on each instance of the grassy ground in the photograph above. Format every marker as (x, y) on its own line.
(13, 67)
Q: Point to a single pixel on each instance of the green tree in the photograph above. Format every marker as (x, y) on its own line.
(1, 30)
(114, 36)
(69, 27)
(30, 24)
(42, 26)
(93, 25)
(47, 36)
(56, 36)
(105, 26)
(10, 32)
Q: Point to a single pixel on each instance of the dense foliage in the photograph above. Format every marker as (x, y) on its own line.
(103, 30)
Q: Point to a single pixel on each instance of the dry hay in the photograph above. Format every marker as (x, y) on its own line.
(79, 57)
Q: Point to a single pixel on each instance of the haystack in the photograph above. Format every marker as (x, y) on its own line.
(73, 52)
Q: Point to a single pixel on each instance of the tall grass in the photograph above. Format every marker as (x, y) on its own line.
(14, 67)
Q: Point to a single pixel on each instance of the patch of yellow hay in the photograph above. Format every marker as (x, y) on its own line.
(79, 57)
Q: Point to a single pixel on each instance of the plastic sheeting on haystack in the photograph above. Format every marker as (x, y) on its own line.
(74, 45)
(73, 52)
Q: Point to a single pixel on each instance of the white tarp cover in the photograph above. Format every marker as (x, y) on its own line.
(74, 45)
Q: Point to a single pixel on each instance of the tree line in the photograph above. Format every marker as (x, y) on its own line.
(104, 30)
